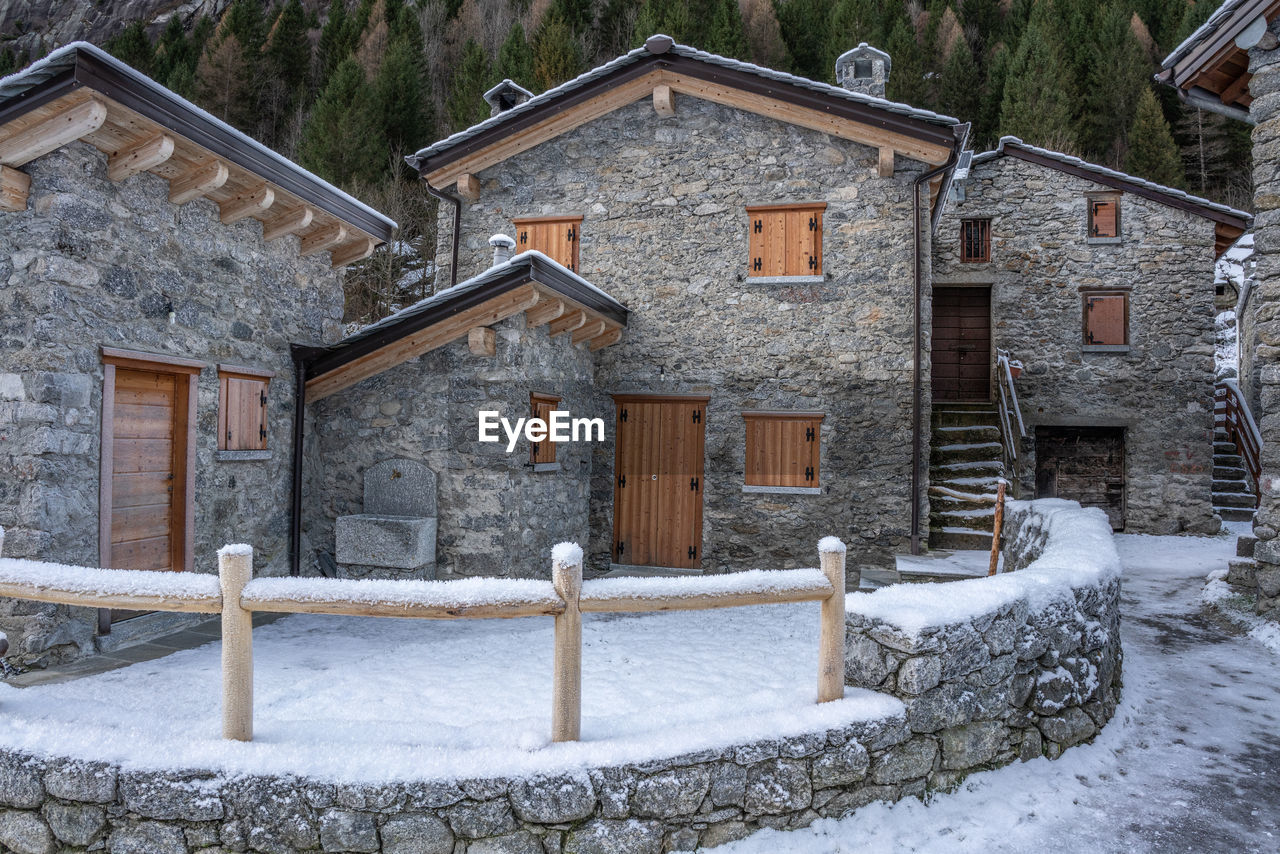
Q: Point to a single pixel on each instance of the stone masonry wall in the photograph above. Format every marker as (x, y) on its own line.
(497, 516)
(94, 263)
(1161, 390)
(665, 232)
(1015, 681)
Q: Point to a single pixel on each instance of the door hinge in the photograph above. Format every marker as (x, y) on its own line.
(228, 435)
(262, 397)
(758, 225)
(620, 545)
(622, 481)
(262, 432)
(813, 223)
(697, 416)
(693, 553)
(813, 262)
(623, 416)
(808, 434)
(808, 473)
(693, 484)
(524, 238)
(757, 264)
(573, 233)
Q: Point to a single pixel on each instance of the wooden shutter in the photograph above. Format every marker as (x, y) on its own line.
(783, 448)
(784, 240)
(975, 240)
(1106, 319)
(242, 410)
(540, 406)
(1104, 218)
(556, 237)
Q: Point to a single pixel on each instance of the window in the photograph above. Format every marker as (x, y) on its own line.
(784, 240)
(1104, 218)
(1106, 320)
(783, 449)
(542, 453)
(242, 408)
(975, 240)
(557, 237)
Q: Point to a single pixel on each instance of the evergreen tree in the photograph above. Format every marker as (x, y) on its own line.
(133, 48)
(906, 82)
(1152, 152)
(669, 17)
(803, 24)
(287, 50)
(557, 55)
(1038, 106)
(515, 58)
(959, 93)
(402, 96)
(725, 34)
(987, 127)
(335, 43)
(8, 62)
(473, 78)
(854, 21)
(174, 50)
(342, 141)
(1115, 79)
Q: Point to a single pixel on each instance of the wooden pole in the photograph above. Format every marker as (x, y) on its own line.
(831, 554)
(995, 531)
(235, 568)
(566, 685)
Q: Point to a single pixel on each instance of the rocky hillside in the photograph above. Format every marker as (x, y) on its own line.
(26, 23)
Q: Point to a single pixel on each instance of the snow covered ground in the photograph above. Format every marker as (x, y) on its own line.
(1191, 762)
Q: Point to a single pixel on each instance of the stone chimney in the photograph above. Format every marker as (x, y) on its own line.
(864, 69)
(503, 247)
(506, 95)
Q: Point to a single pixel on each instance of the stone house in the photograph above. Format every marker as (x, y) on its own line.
(1100, 284)
(155, 267)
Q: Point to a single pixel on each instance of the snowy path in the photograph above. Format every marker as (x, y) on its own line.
(1191, 762)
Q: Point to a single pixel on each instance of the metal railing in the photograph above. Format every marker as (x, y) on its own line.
(1009, 410)
(1231, 414)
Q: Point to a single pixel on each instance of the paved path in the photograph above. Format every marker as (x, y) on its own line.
(1190, 763)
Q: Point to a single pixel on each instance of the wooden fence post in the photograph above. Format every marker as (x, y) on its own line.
(998, 521)
(235, 568)
(566, 685)
(831, 553)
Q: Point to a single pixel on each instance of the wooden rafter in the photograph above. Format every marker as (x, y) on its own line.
(145, 155)
(14, 187)
(349, 253)
(469, 187)
(290, 222)
(199, 181)
(547, 310)
(587, 331)
(248, 203)
(611, 336)
(568, 322)
(324, 238)
(664, 102)
(885, 164)
(63, 127)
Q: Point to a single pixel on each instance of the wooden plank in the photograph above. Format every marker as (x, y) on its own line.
(545, 311)
(141, 522)
(142, 455)
(482, 341)
(235, 569)
(197, 182)
(140, 489)
(608, 338)
(106, 468)
(884, 165)
(350, 253)
(831, 631)
(588, 331)
(54, 132)
(248, 203)
(566, 680)
(144, 421)
(462, 609)
(70, 596)
(150, 361)
(664, 101)
(569, 322)
(150, 554)
(290, 222)
(469, 187)
(147, 154)
(324, 238)
(15, 187)
(702, 601)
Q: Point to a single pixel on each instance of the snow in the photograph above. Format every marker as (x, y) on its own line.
(762, 581)
(567, 553)
(1237, 609)
(1079, 553)
(362, 699)
(1188, 763)
(90, 581)
(1226, 351)
(468, 592)
(236, 550)
(828, 545)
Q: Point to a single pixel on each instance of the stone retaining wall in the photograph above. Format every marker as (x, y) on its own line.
(1031, 674)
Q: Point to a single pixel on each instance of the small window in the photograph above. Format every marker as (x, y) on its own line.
(1106, 320)
(1104, 218)
(784, 240)
(557, 237)
(542, 453)
(783, 448)
(975, 240)
(242, 408)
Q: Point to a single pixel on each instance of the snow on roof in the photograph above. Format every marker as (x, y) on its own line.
(1104, 172)
(691, 53)
(1204, 31)
(507, 84)
(65, 57)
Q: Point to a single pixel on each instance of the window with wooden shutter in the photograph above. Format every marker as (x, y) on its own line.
(784, 240)
(242, 408)
(1106, 319)
(541, 406)
(783, 448)
(1104, 218)
(557, 237)
(975, 240)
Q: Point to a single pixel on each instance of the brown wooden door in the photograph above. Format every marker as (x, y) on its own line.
(1084, 464)
(961, 344)
(657, 505)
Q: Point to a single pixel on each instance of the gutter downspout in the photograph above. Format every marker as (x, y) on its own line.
(299, 426)
(446, 196)
(917, 392)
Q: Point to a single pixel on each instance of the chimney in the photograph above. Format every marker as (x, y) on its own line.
(506, 95)
(502, 248)
(864, 69)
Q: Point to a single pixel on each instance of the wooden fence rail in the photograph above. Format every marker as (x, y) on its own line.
(235, 595)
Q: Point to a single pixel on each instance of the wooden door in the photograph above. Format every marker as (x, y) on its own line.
(962, 344)
(1084, 464)
(657, 504)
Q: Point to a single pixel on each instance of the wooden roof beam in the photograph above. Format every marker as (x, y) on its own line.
(200, 181)
(609, 337)
(53, 133)
(547, 310)
(482, 341)
(324, 238)
(349, 253)
(288, 223)
(1235, 89)
(469, 187)
(568, 322)
(664, 101)
(885, 164)
(145, 155)
(248, 203)
(587, 331)
(14, 189)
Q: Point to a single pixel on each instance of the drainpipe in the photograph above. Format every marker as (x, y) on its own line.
(917, 392)
(299, 424)
(446, 196)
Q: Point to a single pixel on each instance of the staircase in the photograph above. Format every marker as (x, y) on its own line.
(1233, 496)
(967, 457)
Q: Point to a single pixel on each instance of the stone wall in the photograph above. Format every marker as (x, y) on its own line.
(94, 263)
(664, 231)
(496, 515)
(1034, 670)
(1161, 390)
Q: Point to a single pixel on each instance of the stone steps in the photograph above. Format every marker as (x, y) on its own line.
(958, 538)
(1231, 486)
(1233, 495)
(1234, 514)
(1229, 473)
(967, 452)
(966, 457)
(1233, 499)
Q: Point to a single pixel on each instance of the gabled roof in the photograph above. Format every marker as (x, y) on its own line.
(1222, 214)
(917, 133)
(529, 281)
(81, 92)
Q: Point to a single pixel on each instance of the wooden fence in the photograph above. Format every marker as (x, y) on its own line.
(236, 595)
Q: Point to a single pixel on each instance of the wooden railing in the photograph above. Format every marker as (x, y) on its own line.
(236, 595)
(1010, 411)
(1231, 414)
